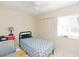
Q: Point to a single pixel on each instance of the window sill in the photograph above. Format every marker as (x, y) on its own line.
(71, 37)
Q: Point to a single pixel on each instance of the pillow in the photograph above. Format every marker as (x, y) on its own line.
(3, 38)
(25, 36)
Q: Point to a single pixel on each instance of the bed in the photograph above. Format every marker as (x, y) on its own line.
(7, 47)
(34, 46)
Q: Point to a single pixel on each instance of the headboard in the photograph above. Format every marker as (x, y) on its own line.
(24, 34)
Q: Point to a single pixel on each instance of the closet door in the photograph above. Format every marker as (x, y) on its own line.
(47, 28)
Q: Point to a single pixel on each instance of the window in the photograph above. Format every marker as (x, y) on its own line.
(68, 25)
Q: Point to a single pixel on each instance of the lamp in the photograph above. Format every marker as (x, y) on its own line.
(11, 29)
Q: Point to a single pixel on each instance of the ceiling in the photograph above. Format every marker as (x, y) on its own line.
(36, 7)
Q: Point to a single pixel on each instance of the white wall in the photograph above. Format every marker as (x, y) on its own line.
(17, 19)
(64, 44)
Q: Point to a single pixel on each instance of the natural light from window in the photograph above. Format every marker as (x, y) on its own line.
(68, 26)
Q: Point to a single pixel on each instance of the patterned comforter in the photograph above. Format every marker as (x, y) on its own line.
(37, 47)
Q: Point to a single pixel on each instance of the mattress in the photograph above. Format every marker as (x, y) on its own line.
(36, 47)
(7, 47)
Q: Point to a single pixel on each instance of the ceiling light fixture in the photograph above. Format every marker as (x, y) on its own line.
(39, 5)
(36, 8)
